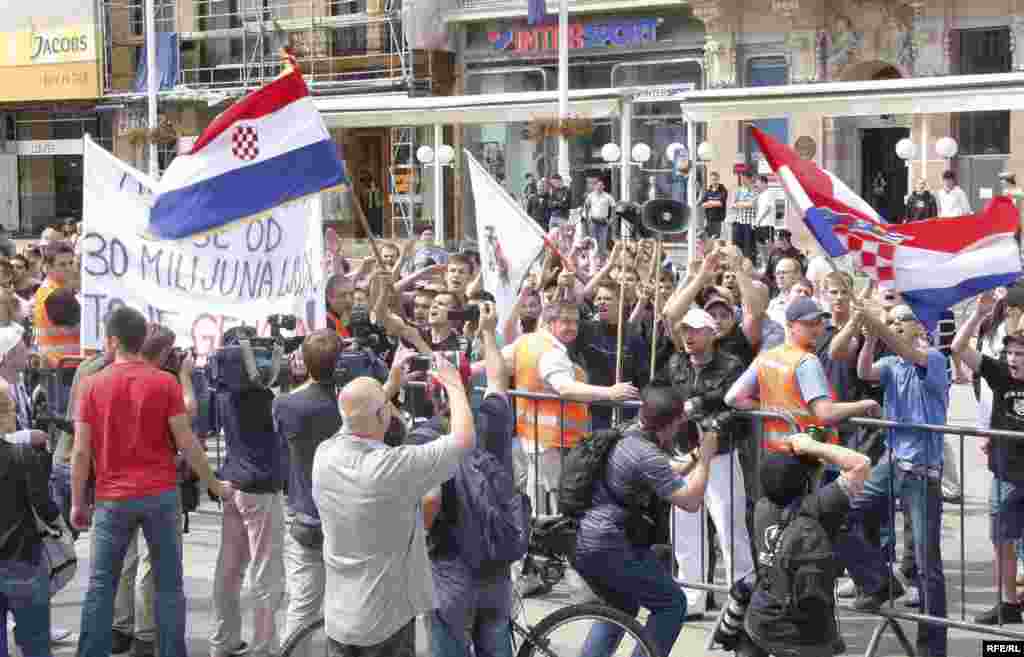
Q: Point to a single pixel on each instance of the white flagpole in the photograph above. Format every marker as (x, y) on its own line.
(563, 85)
(154, 164)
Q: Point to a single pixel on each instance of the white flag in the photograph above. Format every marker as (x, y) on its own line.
(510, 241)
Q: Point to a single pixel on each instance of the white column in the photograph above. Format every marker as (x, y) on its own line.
(563, 83)
(691, 192)
(151, 84)
(625, 139)
(924, 146)
(438, 187)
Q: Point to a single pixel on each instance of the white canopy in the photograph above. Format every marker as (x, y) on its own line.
(374, 111)
(936, 95)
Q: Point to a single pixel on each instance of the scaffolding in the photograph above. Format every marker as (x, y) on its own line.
(402, 173)
(233, 46)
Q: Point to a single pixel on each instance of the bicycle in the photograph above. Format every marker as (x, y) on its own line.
(558, 634)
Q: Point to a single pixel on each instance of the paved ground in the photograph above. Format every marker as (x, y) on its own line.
(971, 580)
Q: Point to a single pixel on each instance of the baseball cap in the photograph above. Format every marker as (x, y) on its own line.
(803, 309)
(699, 319)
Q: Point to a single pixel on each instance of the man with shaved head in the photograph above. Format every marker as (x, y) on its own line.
(369, 496)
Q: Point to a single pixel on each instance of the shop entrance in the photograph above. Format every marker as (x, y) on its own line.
(883, 173)
(365, 156)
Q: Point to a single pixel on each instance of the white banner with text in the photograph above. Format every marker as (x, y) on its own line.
(198, 287)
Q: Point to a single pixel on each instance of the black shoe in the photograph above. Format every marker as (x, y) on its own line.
(1004, 612)
(890, 591)
(838, 646)
(122, 643)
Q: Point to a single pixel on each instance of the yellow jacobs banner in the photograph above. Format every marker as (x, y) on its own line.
(50, 64)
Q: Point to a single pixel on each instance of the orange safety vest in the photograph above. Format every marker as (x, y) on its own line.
(779, 389)
(53, 341)
(549, 422)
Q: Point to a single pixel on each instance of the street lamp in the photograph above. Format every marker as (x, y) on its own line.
(906, 150)
(946, 148)
(639, 154)
(443, 157)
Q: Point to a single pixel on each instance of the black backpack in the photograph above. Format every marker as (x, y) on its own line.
(582, 467)
(799, 568)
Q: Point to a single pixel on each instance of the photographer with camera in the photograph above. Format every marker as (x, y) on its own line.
(472, 583)
(304, 419)
(378, 581)
(252, 525)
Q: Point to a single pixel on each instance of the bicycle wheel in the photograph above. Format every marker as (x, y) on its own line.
(309, 640)
(562, 633)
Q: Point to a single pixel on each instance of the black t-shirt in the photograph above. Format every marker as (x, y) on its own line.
(717, 193)
(766, 616)
(737, 344)
(1006, 457)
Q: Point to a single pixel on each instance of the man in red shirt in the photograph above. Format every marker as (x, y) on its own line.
(129, 424)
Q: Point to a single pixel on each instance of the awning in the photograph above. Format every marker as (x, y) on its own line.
(380, 111)
(936, 95)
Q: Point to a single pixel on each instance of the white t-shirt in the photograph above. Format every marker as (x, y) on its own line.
(953, 203)
(599, 205)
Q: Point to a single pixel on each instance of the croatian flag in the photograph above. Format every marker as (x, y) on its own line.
(808, 185)
(934, 264)
(268, 148)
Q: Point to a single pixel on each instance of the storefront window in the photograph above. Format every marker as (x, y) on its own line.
(50, 173)
(765, 72)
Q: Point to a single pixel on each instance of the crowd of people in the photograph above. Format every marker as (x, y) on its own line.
(345, 498)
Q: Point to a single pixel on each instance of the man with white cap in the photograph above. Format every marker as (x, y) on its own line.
(701, 374)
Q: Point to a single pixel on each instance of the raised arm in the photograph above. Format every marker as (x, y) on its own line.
(962, 342)
(681, 302)
(911, 351)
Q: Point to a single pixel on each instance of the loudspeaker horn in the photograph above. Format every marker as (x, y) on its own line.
(664, 216)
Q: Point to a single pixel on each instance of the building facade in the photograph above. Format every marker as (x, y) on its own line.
(653, 52)
(50, 68)
(211, 52)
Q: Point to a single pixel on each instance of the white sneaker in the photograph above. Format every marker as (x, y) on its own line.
(847, 589)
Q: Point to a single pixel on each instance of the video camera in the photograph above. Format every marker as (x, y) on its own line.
(358, 357)
(248, 362)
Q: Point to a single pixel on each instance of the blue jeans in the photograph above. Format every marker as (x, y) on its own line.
(492, 637)
(629, 580)
(114, 523)
(922, 499)
(25, 592)
(599, 231)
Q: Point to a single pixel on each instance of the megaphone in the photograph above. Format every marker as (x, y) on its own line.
(664, 216)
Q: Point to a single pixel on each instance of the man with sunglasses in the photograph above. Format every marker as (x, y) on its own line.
(915, 386)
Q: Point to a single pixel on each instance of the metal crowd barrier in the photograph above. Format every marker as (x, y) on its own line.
(889, 616)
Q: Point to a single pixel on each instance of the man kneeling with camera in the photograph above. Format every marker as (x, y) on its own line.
(790, 609)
